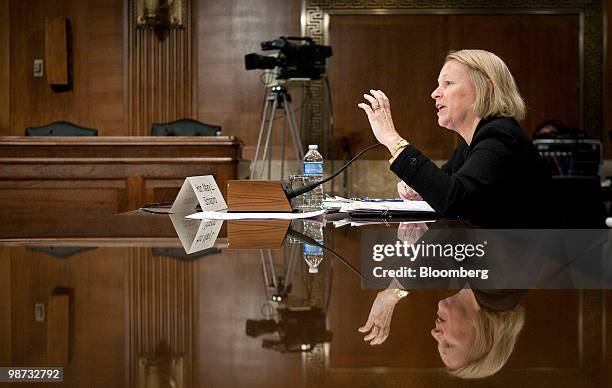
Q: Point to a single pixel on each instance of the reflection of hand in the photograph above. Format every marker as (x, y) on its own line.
(379, 320)
(411, 232)
(407, 193)
(379, 115)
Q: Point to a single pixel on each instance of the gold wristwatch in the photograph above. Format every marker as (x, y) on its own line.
(400, 293)
(401, 143)
(397, 290)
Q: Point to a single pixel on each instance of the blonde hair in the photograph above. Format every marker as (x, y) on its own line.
(496, 90)
(496, 334)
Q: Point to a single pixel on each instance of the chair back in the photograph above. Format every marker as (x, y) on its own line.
(185, 127)
(60, 128)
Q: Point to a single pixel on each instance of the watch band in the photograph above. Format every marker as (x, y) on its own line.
(400, 293)
(397, 290)
(401, 143)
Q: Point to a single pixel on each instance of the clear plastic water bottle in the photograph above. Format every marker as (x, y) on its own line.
(313, 255)
(313, 168)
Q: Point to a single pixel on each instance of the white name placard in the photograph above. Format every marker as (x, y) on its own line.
(196, 235)
(196, 190)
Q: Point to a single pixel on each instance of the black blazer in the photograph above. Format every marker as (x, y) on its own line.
(498, 181)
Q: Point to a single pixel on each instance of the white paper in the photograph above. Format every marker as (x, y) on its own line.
(335, 203)
(198, 189)
(207, 215)
(411, 206)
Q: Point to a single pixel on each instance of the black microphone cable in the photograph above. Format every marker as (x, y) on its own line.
(307, 188)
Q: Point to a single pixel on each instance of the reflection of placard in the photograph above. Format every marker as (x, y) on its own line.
(198, 189)
(196, 235)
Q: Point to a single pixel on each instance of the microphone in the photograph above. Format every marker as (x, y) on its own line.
(304, 189)
(271, 196)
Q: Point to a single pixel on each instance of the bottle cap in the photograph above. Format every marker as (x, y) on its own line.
(313, 270)
(313, 147)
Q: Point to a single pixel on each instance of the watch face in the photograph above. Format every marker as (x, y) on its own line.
(399, 144)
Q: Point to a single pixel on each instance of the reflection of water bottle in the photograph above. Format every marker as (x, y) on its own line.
(313, 255)
(313, 168)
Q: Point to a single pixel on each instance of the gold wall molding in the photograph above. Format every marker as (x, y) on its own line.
(316, 12)
(160, 13)
(160, 71)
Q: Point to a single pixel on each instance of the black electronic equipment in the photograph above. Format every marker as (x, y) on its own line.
(571, 157)
(294, 59)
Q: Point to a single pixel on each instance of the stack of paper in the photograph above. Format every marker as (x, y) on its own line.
(387, 206)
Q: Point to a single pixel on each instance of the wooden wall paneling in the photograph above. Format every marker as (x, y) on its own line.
(4, 66)
(56, 51)
(96, 98)
(543, 56)
(162, 311)
(101, 46)
(85, 198)
(5, 307)
(399, 54)
(135, 188)
(58, 330)
(160, 75)
(162, 190)
(229, 95)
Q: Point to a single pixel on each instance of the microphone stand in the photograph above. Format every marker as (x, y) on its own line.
(272, 196)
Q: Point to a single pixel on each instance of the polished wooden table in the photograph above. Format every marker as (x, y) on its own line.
(124, 305)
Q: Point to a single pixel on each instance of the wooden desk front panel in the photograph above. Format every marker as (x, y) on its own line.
(48, 177)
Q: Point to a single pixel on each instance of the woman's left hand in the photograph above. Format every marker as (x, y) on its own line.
(379, 115)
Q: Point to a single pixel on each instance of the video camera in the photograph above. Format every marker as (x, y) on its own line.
(306, 60)
(299, 329)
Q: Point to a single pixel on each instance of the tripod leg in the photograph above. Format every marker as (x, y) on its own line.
(268, 263)
(255, 161)
(295, 135)
(283, 142)
(290, 264)
(267, 151)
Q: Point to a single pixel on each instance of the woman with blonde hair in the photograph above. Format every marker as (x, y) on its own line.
(477, 98)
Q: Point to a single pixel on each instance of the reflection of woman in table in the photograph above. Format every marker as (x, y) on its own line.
(475, 329)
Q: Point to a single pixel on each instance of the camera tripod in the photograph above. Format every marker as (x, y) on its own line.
(276, 98)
